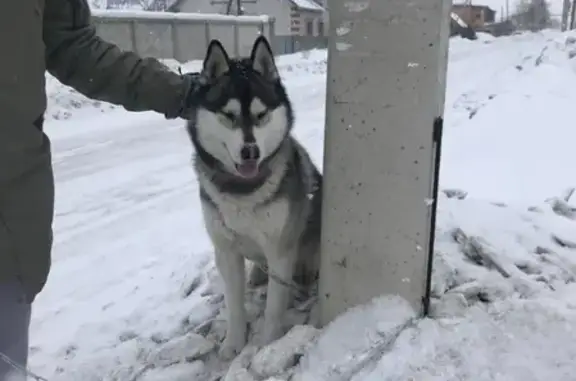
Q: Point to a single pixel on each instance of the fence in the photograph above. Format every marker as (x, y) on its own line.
(293, 44)
(182, 36)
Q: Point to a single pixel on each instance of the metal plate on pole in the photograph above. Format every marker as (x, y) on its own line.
(384, 105)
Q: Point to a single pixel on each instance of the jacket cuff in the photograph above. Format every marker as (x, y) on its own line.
(191, 82)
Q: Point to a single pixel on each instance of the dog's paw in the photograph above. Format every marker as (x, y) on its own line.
(230, 348)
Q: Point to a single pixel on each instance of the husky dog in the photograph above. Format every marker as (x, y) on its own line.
(259, 189)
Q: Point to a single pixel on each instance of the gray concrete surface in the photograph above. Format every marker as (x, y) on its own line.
(386, 87)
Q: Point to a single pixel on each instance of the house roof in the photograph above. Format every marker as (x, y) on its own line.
(307, 5)
(473, 6)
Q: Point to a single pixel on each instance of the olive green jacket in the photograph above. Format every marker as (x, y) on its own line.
(56, 36)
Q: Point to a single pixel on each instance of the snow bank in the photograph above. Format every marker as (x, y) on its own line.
(503, 293)
(510, 339)
(65, 102)
(508, 123)
(504, 305)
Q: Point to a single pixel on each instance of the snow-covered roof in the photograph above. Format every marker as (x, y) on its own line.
(308, 5)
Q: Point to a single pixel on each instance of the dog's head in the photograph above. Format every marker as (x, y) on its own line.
(243, 113)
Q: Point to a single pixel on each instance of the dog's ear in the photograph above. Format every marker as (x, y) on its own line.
(263, 59)
(216, 62)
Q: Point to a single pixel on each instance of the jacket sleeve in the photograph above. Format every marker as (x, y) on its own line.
(77, 57)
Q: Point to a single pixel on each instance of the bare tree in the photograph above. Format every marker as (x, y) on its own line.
(98, 4)
(229, 7)
(532, 15)
(233, 7)
(120, 4)
(565, 15)
(572, 15)
(154, 5)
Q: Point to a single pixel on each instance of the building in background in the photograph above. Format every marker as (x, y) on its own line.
(476, 16)
(293, 17)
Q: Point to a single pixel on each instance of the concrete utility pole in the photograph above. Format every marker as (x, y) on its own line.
(384, 104)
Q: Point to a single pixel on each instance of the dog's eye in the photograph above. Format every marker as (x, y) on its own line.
(261, 115)
(230, 116)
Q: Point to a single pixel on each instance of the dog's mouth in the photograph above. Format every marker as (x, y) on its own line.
(248, 169)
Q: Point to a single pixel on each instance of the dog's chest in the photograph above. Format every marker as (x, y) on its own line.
(261, 223)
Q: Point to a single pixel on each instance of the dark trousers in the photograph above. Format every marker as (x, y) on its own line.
(14, 324)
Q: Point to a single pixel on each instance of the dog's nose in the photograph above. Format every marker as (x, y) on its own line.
(250, 151)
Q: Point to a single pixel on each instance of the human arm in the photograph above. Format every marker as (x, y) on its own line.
(78, 58)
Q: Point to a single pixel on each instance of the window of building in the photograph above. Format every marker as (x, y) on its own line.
(321, 28)
(310, 27)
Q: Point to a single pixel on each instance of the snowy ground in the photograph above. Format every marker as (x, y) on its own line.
(134, 295)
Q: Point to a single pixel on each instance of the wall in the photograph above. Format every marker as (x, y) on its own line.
(183, 37)
(280, 10)
(294, 44)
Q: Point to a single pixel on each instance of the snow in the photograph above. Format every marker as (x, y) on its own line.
(501, 110)
(510, 339)
(133, 294)
(307, 5)
(140, 14)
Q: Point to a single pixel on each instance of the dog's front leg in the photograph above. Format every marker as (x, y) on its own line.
(281, 265)
(231, 268)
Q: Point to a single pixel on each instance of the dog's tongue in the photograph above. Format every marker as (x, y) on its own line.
(248, 168)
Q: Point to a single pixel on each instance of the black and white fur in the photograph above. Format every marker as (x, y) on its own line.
(260, 191)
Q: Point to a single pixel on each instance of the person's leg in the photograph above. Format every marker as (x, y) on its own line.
(14, 324)
(26, 212)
